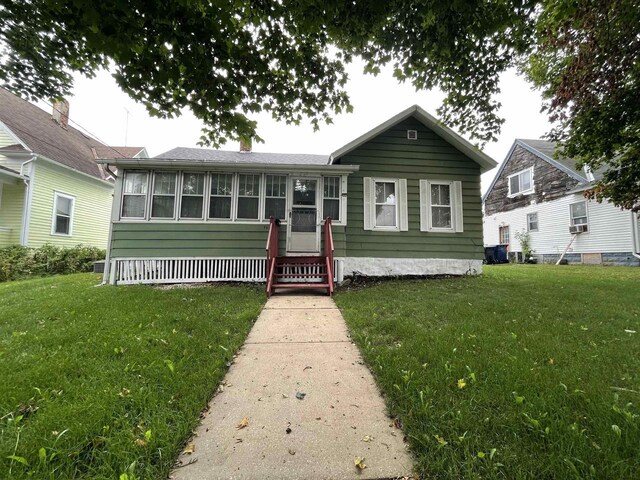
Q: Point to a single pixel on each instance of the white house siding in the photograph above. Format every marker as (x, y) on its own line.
(610, 230)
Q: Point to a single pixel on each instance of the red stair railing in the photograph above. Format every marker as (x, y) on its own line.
(272, 253)
(328, 252)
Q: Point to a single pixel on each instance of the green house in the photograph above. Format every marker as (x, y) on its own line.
(402, 199)
(52, 190)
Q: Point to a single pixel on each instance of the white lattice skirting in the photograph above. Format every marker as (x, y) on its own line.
(129, 271)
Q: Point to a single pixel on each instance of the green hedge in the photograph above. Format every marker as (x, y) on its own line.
(21, 262)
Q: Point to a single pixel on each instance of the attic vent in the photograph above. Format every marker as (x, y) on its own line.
(412, 134)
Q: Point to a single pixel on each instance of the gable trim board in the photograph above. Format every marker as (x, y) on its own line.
(530, 149)
(148, 248)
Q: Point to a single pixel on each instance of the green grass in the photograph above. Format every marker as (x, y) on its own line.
(100, 381)
(550, 378)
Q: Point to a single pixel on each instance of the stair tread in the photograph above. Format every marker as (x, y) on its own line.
(300, 274)
(300, 285)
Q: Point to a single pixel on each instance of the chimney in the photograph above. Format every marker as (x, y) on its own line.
(245, 145)
(61, 112)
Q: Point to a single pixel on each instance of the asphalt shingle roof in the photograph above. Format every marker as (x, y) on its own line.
(226, 156)
(44, 136)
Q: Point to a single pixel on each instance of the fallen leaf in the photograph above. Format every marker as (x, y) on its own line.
(462, 383)
(244, 423)
(238, 440)
(397, 423)
(306, 368)
(359, 463)
(551, 361)
(285, 396)
(191, 447)
(366, 438)
(288, 430)
(292, 451)
(300, 395)
(140, 442)
(124, 392)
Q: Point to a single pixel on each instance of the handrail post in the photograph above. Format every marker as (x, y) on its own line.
(272, 252)
(328, 252)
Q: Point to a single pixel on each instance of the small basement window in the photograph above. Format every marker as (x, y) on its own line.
(412, 134)
(62, 213)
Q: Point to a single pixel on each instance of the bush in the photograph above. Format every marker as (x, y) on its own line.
(21, 262)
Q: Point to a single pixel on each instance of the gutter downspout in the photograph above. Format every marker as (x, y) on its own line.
(28, 196)
(116, 195)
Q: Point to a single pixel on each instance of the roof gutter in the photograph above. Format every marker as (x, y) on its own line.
(209, 165)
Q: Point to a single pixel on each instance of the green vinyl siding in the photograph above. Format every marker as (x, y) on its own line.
(392, 155)
(92, 207)
(181, 239)
(11, 209)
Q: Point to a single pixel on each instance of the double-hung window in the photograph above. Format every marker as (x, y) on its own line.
(503, 234)
(192, 199)
(441, 206)
(221, 196)
(275, 202)
(532, 222)
(521, 183)
(331, 202)
(386, 205)
(248, 196)
(441, 212)
(62, 214)
(164, 195)
(578, 213)
(134, 195)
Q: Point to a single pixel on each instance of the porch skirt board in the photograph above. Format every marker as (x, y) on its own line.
(129, 271)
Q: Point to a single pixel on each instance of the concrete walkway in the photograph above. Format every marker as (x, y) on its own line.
(299, 345)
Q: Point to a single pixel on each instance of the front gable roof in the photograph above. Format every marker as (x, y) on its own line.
(486, 163)
(544, 150)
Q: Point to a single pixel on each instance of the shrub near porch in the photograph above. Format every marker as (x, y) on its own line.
(527, 372)
(102, 381)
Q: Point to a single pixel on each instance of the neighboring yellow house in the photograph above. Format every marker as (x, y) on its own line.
(51, 188)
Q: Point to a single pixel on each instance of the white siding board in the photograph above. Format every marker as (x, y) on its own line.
(610, 229)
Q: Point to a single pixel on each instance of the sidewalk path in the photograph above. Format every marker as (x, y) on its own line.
(299, 345)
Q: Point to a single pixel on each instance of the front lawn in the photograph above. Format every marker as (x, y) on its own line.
(97, 382)
(527, 372)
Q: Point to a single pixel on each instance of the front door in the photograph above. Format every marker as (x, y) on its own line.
(303, 227)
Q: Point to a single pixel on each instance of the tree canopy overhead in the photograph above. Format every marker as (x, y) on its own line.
(228, 60)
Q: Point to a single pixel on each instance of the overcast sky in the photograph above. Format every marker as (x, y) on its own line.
(98, 105)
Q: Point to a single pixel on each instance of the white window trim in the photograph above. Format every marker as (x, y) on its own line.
(57, 194)
(522, 192)
(374, 204)
(537, 221)
(175, 195)
(456, 205)
(586, 211)
(260, 197)
(500, 230)
(234, 189)
(264, 197)
(179, 187)
(339, 198)
(146, 197)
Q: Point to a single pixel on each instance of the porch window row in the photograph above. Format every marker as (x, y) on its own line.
(214, 196)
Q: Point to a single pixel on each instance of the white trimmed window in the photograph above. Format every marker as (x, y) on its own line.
(578, 213)
(275, 202)
(248, 196)
(134, 195)
(192, 198)
(503, 234)
(331, 199)
(532, 222)
(521, 183)
(385, 204)
(441, 207)
(63, 206)
(163, 202)
(221, 196)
